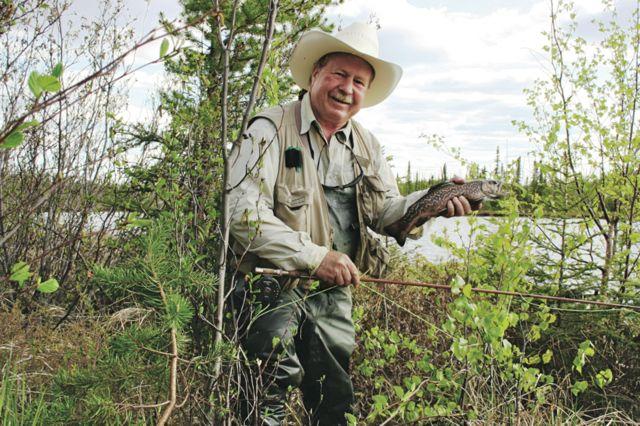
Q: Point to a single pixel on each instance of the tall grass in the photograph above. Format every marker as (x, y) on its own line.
(19, 405)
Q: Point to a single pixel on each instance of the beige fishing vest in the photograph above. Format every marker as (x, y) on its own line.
(299, 199)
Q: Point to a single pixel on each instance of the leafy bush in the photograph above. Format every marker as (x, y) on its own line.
(426, 355)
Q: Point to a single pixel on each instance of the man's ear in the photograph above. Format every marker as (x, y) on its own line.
(314, 74)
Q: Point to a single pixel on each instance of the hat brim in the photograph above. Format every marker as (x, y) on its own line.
(315, 44)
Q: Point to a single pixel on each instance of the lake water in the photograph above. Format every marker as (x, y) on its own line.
(94, 222)
(457, 229)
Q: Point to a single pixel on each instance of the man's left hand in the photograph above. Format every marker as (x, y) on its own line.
(459, 206)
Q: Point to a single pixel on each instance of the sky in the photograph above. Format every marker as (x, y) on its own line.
(466, 64)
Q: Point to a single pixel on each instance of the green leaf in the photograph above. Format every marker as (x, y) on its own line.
(48, 286)
(49, 83)
(57, 70)
(351, 419)
(532, 360)
(398, 391)
(457, 285)
(579, 387)
(13, 140)
(19, 266)
(140, 223)
(20, 273)
(314, 285)
(275, 341)
(133, 221)
(460, 348)
(164, 48)
(27, 124)
(466, 290)
(604, 377)
(34, 84)
(380, 402)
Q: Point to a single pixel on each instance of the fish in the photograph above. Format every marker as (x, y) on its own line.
(434, 203)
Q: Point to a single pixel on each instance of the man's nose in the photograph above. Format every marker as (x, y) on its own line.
(346, 85)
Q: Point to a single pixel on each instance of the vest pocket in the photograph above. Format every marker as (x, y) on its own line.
(292, 207)
(373, 256)
(373, 193)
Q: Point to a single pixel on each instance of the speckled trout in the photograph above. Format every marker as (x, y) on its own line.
(434, 203)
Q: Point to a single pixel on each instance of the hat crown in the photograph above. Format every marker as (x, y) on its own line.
(362, 37)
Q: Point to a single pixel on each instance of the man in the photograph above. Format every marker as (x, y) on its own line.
(307, 182)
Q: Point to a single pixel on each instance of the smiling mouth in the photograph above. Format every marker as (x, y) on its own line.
(344, 100)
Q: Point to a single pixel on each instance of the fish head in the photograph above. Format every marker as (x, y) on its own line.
(492, 189)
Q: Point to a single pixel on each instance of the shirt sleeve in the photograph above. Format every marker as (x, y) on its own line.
(396, 205)
(254, 167)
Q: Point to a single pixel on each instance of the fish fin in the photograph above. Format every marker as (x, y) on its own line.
(440, 185)
(394, 231)
(475, 205)
(421, 221)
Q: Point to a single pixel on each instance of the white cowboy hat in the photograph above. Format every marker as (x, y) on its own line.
(358, 39)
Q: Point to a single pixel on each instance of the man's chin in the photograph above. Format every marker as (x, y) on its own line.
(342, 110)
(340, 117)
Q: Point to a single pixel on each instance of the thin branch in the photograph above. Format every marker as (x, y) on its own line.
(173, 371)
(44, 197)
(266, 46)
(161, 404)
(222, 258)
(109, 68)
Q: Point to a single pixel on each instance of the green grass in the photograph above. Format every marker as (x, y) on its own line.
(18, 405)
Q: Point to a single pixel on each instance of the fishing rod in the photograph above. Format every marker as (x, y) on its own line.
(297, 274)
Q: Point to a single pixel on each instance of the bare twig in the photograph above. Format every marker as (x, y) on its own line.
(173, 370)
(224, 220)
(109, 68)
(44, 197)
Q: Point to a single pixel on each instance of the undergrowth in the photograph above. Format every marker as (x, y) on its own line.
(429, 356)
(423, 356)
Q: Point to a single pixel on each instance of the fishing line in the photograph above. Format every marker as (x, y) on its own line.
(298, 302)
(407, 310)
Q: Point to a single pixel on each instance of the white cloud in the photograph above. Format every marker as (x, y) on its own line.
(464, 73)
(138, 113)
(147, 80)
(463, 80)
(590, 7)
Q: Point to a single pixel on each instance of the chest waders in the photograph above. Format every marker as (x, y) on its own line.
(305, 338)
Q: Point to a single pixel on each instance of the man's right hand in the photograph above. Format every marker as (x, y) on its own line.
(338, 269)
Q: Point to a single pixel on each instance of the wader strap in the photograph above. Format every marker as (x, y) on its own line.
(297, 112)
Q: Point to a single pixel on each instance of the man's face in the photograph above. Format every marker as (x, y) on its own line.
(337, 89)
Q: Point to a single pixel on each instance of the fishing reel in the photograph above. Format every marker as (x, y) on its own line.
(265, 290)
